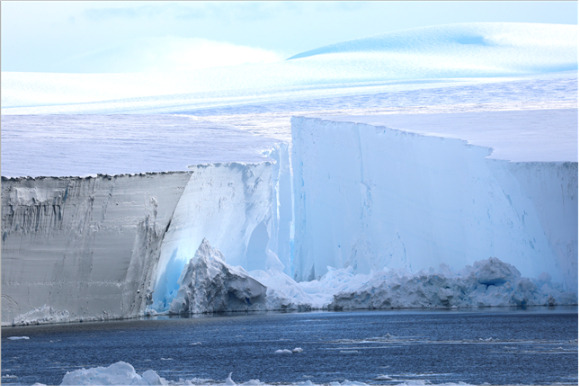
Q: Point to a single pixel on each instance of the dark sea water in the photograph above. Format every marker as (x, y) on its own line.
(488, 346)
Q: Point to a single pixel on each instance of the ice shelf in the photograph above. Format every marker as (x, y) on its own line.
(404, 193)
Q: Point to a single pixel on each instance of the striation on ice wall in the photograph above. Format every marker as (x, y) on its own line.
(78, 248)
(371, 197)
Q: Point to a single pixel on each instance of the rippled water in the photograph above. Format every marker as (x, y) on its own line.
(499, 346)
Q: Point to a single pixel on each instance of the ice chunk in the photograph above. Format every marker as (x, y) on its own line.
(494, 272)
(117, 374)
(207, 284)
(18, 338)
(283, 352)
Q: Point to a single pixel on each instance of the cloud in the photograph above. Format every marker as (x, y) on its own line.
(169, 54)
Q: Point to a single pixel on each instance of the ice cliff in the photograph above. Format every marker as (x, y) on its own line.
(105, 247)
(365, 209)
(372, 197)
(82, 248)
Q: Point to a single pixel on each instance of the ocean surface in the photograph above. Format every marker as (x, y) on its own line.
(484, 346)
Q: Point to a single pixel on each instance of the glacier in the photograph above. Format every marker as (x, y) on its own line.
(324, 186)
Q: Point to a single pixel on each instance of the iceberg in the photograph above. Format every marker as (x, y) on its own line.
(115, 246)
(207, 284)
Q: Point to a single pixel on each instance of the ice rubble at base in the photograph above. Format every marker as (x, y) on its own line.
(207, 285)
(487, 283)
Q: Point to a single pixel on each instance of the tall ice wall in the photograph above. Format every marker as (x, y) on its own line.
(109, 247)
(78, 248)
(371, 197)
(233, 205)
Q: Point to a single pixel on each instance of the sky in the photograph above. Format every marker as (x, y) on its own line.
(118, 36)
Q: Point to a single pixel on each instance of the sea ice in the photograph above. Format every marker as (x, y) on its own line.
(117, 374)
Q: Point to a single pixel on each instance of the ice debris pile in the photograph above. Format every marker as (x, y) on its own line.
(489, 282)
(207, 284)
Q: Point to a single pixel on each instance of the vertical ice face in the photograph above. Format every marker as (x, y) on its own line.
(107, 246)
(236, 206)
(82, 248)
(372, 197)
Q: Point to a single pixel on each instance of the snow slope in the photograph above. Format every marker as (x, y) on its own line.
(117, 144)
(409, 201)
(471, 52)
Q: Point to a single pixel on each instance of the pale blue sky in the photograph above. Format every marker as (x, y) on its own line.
(56, 36)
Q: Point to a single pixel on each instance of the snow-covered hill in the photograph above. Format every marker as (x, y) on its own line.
(442, 53)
